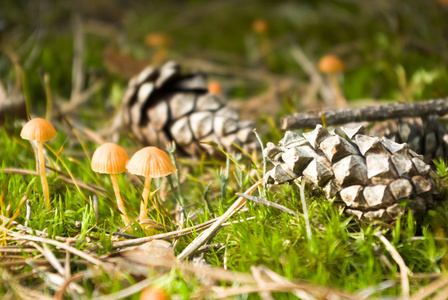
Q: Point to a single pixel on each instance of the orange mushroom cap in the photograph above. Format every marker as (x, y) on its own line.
(38, 129)
(151, 293)
(260, 26)
(151, 162)
(157, 39)
(331, 64)
(109, 159)
(214, 87)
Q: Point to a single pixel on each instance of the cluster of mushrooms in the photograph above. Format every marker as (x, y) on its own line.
(149, 162)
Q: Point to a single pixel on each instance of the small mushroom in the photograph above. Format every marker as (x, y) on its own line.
(150, 162)
(332, 66)
(40, 130)
(111, 159)
(214, 87)
(153, 293)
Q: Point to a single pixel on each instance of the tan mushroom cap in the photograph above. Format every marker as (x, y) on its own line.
(38, 129)
(331, 64)
(109, 159)
(151, 162)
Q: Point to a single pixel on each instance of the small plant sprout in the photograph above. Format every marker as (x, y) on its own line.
(40, 130)
(331, 65)
(111, 159)
(150, 162)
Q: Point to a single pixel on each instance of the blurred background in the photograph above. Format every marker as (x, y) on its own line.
(265, 54)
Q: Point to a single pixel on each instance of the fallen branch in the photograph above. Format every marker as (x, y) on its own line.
(367, 114)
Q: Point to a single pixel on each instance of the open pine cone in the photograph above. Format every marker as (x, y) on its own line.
(427, 136)
(370, 176)
(161, 105)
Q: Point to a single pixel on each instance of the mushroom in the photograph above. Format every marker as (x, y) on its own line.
(160, 43)
(332, 65)
(111, 159)
(150, 162)
(214, 87)
(153, 293)
(40, 130)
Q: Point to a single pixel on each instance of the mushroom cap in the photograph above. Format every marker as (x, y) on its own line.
(331, 64)
(214, 87)
(260, 26)
(151, 162)
(38, 129)
(109, 159)
(153, 293)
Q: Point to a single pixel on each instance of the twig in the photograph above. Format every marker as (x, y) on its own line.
(225, 252)
(443, 295)
(204, 236)
(96, 229)
(211, 246)
(265, 295)
(268, 203)
(304, 207)
(135, 288)
(50, 257)
(170, 235)
(66, 247)
(38, 262)
(367, 292)
(430, 289)
(28, 212)
(59, 295)
(404, 270)
(21, 291)
(367, 114)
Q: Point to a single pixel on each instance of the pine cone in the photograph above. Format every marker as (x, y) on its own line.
(370, 176)
(164, 104)
(426, 136)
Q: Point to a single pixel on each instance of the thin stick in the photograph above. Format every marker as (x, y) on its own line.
(430, 289)
(66, 247)
(28, 212)
(133, 289)
(267, 203)
(171, 235)
(304, 207)
(50, 257)
(204, 236)
(260, 283)
(120, 203)
(443, 295)
(43, 176)
(367, 114)
(404, 270)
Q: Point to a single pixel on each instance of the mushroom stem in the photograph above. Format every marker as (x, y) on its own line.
(43, 176)
(145, 195)
(339, 98)
(120, 202)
